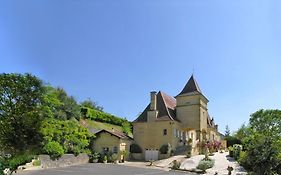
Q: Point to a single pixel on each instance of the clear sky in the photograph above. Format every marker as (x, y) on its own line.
(117, 51)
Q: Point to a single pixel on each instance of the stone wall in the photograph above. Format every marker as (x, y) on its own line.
(65, 160)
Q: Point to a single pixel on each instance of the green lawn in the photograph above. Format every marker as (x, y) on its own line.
(99, 125)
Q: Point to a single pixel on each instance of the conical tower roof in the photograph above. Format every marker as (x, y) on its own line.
(191, 86)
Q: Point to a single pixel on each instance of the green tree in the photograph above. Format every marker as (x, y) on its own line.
(73, 137)
(91, 104)
(263, 143)
(21, 99)
(227, 131)
(242, 132)
(61, 106)
(126, 127)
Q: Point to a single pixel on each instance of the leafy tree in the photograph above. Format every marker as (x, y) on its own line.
(126, 127)
(91, 104)
(21, 99)
(73, 137)
(61, 106)
(242, 132)
(263, 143)
(227, 131)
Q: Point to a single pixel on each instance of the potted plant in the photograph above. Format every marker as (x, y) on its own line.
(114, 158)
(95, 157)
(229, 169)
(105, 159)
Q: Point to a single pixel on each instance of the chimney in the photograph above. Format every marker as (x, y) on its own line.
(216, 126)
(153, 100)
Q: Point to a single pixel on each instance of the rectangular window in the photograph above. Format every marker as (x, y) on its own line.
(175, 132)
(165, 132)
(115, 149)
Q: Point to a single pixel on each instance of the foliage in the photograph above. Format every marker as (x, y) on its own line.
(105, 158)
(165, 149)
(126, 127)
(91, 104)
(54, 149)
(262, 143)
(69, 134)
(135, 148)
(236, 151)
(232, 140)
(102, 116)
(20, 110)
(60, 105)
(94, 156)
(205, 164)
(188, 150)
(114, 157)
(15, 160)
(175, 165)
(36, 163)
(227, 131)
(242, 132)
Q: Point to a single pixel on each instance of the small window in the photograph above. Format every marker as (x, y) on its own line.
(115, 149)
(165, 132)
(175, 132)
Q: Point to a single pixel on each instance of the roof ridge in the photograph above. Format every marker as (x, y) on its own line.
(161, 93)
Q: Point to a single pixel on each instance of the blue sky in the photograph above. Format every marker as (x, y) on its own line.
(116, 52)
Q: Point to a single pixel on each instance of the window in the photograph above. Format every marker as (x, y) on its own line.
(175, 132)
(115, 149)
(165, 132)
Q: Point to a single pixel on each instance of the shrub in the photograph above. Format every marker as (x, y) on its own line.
(105, 159)
(54, 149)
(36, 163)
(17, 160)
(176, 165)
(114, 157)
(188, 150)
(135, 148)
(230, 149)
(205, 164)
(165, 149)
(236, 151)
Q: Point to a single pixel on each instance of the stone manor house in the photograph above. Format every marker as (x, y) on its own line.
(175, 121)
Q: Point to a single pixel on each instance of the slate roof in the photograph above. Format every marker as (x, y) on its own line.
(191, 86)
(166, 106)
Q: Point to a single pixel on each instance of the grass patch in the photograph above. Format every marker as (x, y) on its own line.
(99, 125)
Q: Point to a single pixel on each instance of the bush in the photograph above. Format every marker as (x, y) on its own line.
(135, 148)
(15, 161)
(114, 157)
(188, 150)
(54, 149)
(165, 149)
(230, 149)
(102, 116)
(236, 151)
(36, 163)
(176, 165)
(205, 164)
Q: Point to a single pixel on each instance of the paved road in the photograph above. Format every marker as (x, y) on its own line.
(100, 169)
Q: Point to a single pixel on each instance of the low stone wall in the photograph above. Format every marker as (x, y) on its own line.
(163, 156)
(63, 161)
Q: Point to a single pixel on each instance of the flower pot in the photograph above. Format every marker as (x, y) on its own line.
(95, 160)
